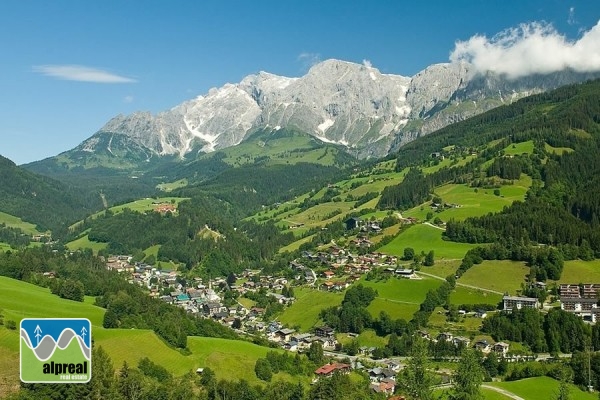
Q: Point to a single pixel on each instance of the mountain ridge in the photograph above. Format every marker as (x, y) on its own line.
(355, 106)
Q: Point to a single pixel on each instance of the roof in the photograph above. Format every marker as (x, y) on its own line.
(329, 368)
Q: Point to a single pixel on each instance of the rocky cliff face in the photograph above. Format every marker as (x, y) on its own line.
(338, 102)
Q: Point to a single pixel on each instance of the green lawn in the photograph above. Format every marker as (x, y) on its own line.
(442, 268)
(367, 338)
(463, 295)
(502, 276)
(425, 238)
(305, 310)
(170, 186)
(578, 271)
(541, 388)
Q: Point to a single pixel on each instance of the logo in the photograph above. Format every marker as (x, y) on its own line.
(56, 350)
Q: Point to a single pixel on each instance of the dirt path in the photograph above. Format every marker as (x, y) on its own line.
(460, 284)
(503, 391)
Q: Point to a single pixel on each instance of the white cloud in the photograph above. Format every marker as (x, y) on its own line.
(571, 19)
(81, 73)
(367, 63)
(128, 99)
(529, 49)
(309, 59)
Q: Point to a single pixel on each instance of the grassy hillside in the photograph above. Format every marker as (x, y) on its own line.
(231, 359)
(16, 222)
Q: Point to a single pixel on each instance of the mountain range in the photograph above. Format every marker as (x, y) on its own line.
(355, 106)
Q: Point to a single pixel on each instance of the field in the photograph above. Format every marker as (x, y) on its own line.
(519, 148)
(85, 243)
(141, 205)
(231, 359)
(16, 222)
(541, 388)
(501, 276)
(472, 202)
(578, 271)
(305, 310)
(425, 238)
(463, 295)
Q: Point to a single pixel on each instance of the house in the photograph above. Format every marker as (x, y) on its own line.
(460, 341)
(328, 369)
(211, 308)
(328, 274)
(481, 314)
(445, 337)
(353, 223)
(569, 290)
(378, 374)
(284, 334)
(385, 387)
(324, 331)
(518, 302)
(483, 346)
(500, 348)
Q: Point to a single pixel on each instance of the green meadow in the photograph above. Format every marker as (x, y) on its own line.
(305, 310)
(578, 271)
(472, 202)
(501, 276)
(519, 148)
(464, 295)
(231, 359)
(425, 238)
(541, 388)
(16, 222)
(85, 243)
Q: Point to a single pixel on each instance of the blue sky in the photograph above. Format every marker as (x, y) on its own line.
(69, 66)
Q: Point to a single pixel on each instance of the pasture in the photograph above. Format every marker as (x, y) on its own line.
(541, 388)
(16, 222)
(230, 359)
(425, 238)
(464, 295)
(519, 148)
(305, 310)
(501, 276)
(85, 243)
(472, 202)
(578, 271)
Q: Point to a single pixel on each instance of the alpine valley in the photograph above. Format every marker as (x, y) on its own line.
(343, 235)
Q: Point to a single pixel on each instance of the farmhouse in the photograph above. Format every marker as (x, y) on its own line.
(353, 223)
(500, 348)
(328, 369)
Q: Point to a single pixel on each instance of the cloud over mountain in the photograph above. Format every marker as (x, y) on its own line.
(534, 48)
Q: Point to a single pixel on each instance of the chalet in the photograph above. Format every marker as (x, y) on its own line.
(500, 348)
(483, 346)
(327, 285)
(445, 337)
(379, 374)
(324, 331)
(328, 369)
(284, 334)
(511, 302)
(460, 341)
(211, 308)
(386, 387)
(404, 272)
(328, 274)
(481, 314)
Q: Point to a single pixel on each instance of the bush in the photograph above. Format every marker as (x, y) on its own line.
(12, 325)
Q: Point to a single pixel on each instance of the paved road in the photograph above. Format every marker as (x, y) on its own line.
(460, 284)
